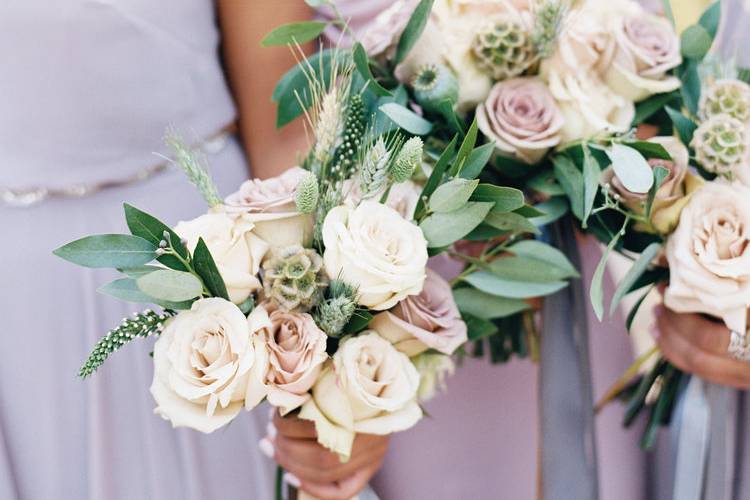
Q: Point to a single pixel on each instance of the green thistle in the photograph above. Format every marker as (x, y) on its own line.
(195, 166)
(408, 159)
(306, 197)
(333, 313)
(141, 325)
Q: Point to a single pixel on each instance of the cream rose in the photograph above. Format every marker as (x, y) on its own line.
(709, 255)
(675, 190)
(584, 45)
(588, 106)
(522, 117)
(270, 205)
(202, 363)
(370, 388)
(429, 320)
(647, 47)
(433, 369)
(291, 351)
(374, 249)
(381, 36)
(234, 245)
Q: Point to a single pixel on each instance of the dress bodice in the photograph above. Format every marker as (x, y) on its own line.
(89, 86)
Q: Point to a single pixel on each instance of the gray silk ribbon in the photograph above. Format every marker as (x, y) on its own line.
(569, 470)
(707, 443)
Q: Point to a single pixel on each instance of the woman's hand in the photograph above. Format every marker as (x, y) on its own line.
(699, 346)
(318, 471)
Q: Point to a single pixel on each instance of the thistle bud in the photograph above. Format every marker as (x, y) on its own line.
(306, 197)
(434, 84)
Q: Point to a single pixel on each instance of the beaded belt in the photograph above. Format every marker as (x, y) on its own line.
(32, 196)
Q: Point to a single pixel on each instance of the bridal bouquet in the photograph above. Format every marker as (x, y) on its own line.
(677, 204)
(311, 290)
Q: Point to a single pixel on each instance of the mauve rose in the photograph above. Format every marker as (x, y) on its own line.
(292, 349)
(429, 320)
(709, 255)
(647, 47)
(521, 116)
(381, 35)
(674, 192)
(270, 205)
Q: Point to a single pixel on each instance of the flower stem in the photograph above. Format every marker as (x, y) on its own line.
(622, 382)
(279, 483)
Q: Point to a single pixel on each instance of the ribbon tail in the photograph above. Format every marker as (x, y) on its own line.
(568, 463)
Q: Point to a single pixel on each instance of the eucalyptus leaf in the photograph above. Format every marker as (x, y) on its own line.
(511, 222)
(484, 232)
(441, 229)
(363, 66)
(548, 255)
(636, 271)
(489, 283)
(660, 174)
(591, 175)
(571, 181)
(152, 229)
(436, 177)
(487, 306)
(526, 269)
(138, 271)
(506, 199)
(546, 183)
(171, 285)
(126, 289)
(685, 126)
(646, 109)
(445, 108)
(691, 85)
(695, 42)
(467, 146)
(596, 292)
(631, 168)
(452, 195)
(667, 6)
(711, 18)
(294, 33)
(553, 209)
(650, 150)
(529, 211)
(406, 118)
(108, 250)
(358, 322)
(206, 268)
(477, 160)
(413, 30)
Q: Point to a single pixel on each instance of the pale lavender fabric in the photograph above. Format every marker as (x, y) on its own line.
(86, 92)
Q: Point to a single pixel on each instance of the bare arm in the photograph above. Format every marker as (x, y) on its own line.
(253, 72)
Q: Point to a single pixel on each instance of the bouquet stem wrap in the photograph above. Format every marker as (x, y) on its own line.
(569, 467)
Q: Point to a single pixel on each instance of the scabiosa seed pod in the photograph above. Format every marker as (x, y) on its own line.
(293, 278)
(503, 48)
(307, 193)
(730, 97)
(407, 160)
(720, 144)
(433, 84)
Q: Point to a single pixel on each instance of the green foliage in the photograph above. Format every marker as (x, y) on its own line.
(126, 289)
(413, 30)
(546, 257)
(685, 126)
(596, 292)
(506, 199)
(631, 168)
(406, 118)
(476, 161)
(436, 177)
(467, 146)
(195, 167)
(361, 62)
(571, 181)
(141, 325)
(152, 229)
(486, 306)
(204, 265)
(294, 33)
(511, 222)
(452, 195)
(108, 250)
(478, 328)
(441, 229)
(636, 271)
(171, 285)
(591, 175)
(492, 284)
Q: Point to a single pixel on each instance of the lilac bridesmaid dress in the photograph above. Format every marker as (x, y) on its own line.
(87, 90)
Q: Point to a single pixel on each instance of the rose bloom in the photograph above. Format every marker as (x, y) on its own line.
(381, 36)
(433, 369)
(291, 351)
(234, 246)
(429, 320)
(584, 45)
(370, 388)
(270, 205)
(709, 255)
(522, 117)
(202, 363)
(376, 250)
(673, 194)
(647, 47)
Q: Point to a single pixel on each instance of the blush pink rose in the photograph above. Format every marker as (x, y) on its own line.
(293, 350)
(522, 117)
(270, 205)
(430, 320)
